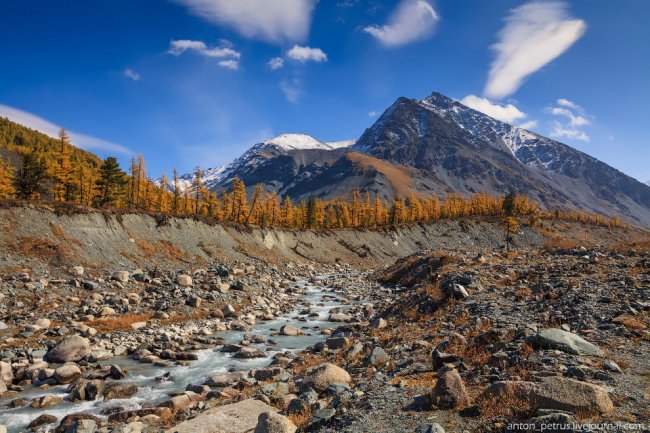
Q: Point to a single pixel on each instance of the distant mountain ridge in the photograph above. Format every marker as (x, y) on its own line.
(437, 146)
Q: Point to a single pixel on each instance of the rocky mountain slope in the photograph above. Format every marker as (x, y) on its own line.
(437, 146)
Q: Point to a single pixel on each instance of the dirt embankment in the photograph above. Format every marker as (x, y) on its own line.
(37, 237)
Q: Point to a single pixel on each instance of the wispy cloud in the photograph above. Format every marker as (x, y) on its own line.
(233, 65)
(529, 124)
(130, 73)
(292, 89)
(275, 63)
(231, 56)
(178, 47)
(80, 140)
(574, 116)
(273, 21)
(307, 54)
(534, 34)
(373, 113)
(504, 112)
(412, 20)
(562, 131)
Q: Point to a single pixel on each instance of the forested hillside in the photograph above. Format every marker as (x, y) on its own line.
(36, 167)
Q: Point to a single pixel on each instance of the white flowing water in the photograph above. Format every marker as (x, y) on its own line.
(210, 362)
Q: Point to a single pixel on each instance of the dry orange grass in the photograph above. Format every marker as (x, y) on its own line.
(630, 322)
(418, 380)
(300, 419)
(399, 177)
(119, 323)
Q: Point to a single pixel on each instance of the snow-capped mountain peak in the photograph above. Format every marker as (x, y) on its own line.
(305, 142)
(529, 148)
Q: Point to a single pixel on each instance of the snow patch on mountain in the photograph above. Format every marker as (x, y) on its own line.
(305, 142)
(529, 148)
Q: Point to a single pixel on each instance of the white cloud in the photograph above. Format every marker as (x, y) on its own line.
(575, 116)
(274, 20)
(292, 89)
(275, 63)
(373, 113)
(231, 64)
(82, 141)
(574, 119)
(411, 21)
(130, 73)
(569, 104)
(506, 113)
(534, 34)
(307, 54)
(529, 124)
(562, 131)
(178, 47)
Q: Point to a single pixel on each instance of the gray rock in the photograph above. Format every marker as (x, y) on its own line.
(612, 366)
(379, 357)
(119, 390)
(248, 353)
(337, 342)
(67, 373)
(321, 377)
(430, 428)
(6, 373)
(290, 331)
(73, 348)
(558, 339)
(121, 276)
(339, 317)
(42, 420)
(271, 422)
(184, 280)
(449, 391)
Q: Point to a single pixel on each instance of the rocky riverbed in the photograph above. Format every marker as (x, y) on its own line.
(440, 341)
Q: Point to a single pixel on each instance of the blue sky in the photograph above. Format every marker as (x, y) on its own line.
(190, 82)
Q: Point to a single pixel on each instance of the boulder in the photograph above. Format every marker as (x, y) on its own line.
(379, 357)
(449, 391)
(121, 276)
(3, 387)
(439, 359)
(46, 401)
(78, 423)
(182, 401)
(249, 352)
(228, 311)
(184, 280)
(43, 323)
(73, 348)
(85, 390)
(67, 373)
(42, 420)
(339, 317)
(322, 376)
(556, 393)
(118, 390)
(76, 271)
(194, 301)
(290, 331)
(237, 417)
(6, 373)
(430, 428)
(572, 395)
(558, 339)
(227, 379)
(271, 422)
(335, 343)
